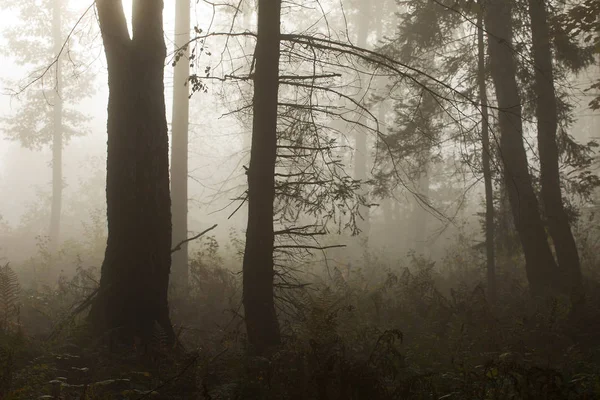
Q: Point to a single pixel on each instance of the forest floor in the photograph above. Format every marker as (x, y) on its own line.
(407, 333)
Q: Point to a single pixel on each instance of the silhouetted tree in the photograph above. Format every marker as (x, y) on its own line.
(540, 265)
(258, 297)
(132, 298)
(547, 125)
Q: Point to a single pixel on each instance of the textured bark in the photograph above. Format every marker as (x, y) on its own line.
(547, 125)
(57, 132)
(132, 299)
(540, 265)
(259, 305)
(179, 147)
(485, 160)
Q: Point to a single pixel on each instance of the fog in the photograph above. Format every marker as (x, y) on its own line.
(219, 144)
(218, 148)
(392, 218)
(216, 152)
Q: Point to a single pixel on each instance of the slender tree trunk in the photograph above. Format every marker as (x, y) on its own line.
(485, 160)
(248, 8)
(425, 115)
(540, 265)
(132, 299)
(259, 304)
(360, 150)
(247, 14)
(547, 125)
(420, 215)
(57, 133)
(179, 146)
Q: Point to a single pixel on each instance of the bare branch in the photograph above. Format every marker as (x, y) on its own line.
(204, 232)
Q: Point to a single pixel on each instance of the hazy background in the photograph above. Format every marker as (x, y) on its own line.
(25, 176)
(218, 150)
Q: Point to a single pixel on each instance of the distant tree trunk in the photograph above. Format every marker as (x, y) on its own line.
(248, 46)
(179, 146)
(248, 8)
(259, 304)
(420, 213)
(540, 265)
(425, 115)
(425, 131)
(57, 132)
(132, 300)
(547, 125)
(363, 20)
(382, 14)
(485, 160)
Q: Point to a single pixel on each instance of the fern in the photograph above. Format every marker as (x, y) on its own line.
(9, 298)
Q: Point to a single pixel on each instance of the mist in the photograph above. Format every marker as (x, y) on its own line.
(398, 198)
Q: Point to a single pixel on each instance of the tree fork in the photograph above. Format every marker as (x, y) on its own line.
(132, 299)
(540, 265)
(547, 125)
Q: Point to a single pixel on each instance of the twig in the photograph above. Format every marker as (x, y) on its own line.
(178, 247)
(308, 247)
(55, 60)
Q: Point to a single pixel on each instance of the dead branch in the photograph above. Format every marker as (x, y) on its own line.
(204, 232)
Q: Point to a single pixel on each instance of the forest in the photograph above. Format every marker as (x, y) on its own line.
(303, 199)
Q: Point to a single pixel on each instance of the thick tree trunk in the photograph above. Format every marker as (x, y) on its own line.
(132, 300)
(547, 125)
(485, 160)
(57, 133)
(540, 265)
(179, 147)
(259, 304)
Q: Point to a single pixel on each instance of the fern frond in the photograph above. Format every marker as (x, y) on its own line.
(9, 296)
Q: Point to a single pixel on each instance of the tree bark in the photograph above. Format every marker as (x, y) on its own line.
(485, 160)
(179, 146)
(132, 299)
(57, 132)
(547, 125)
(540, 265)
(259, 305)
